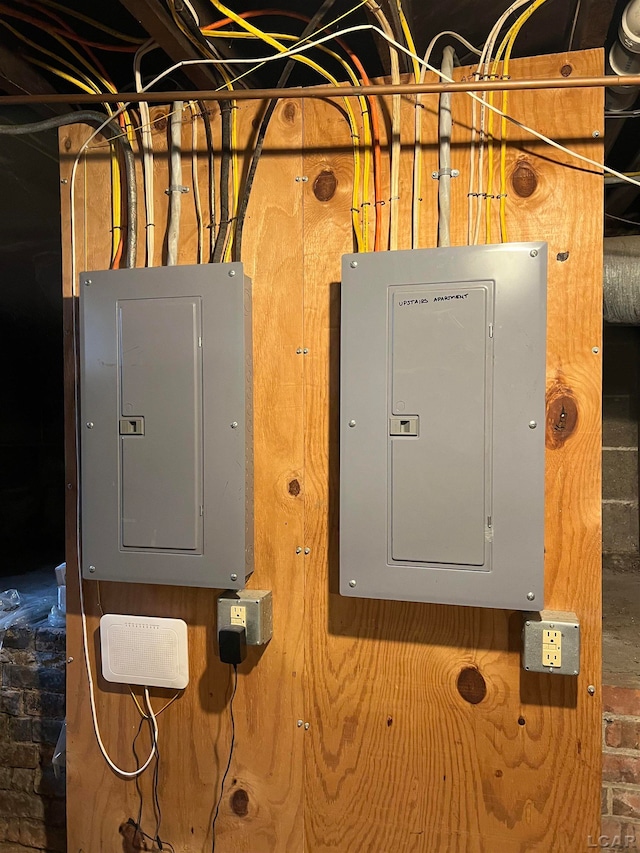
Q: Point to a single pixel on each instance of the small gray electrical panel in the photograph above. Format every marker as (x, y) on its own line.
(166, 433)
(551, 643)
(442, 425)
(251, 608)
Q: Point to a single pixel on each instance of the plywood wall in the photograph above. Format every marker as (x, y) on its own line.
(364, 725)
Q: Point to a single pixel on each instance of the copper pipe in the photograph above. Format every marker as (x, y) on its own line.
(327, 91)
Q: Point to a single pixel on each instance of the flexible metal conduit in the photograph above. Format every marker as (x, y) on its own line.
(622, 280)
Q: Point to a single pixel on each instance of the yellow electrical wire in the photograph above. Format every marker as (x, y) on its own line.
(91, 22)
(246, 25)
(505, 48)
(406, 29)
(367, 154)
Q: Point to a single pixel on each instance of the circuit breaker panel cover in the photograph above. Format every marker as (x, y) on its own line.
(443, 357)
(165, 425)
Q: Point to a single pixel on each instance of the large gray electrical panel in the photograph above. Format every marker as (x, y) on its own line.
(442, 425)
(166, 433)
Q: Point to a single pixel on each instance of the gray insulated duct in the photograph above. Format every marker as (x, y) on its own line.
(622, 280)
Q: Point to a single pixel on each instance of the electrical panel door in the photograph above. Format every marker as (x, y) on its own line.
(442, 425)
(165, 425)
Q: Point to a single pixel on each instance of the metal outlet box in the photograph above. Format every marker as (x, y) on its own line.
(551, 642)
(165, 430)
(443, 357)
(252, 608)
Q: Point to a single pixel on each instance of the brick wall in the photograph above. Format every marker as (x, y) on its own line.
(621, 768)
(32, 703)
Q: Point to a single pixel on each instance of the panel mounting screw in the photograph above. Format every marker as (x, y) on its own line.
(306, 726)
(232, 273)
(434, 175)
(87, 282)
(534, 253)
(69, 660)
(591, 690)
(92, 569)
(305, 351)
(234, 425)
(233, 576)
(595, 134)
(595, 350)
(455, 173)
(353, 264)
(352, 423)
(307, 550)
(300, 723)
(64, 181)
(531, 596)
(533, 424)
(352, 584)
(299, 351)
(298, 550)
(89, 424)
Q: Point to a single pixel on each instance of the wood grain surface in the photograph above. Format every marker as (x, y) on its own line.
(424, 733)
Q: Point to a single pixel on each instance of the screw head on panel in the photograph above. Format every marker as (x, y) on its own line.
(353, 264)
(307, 550)
(92, 569)
(352, 583)
(87, 282)
(299, 351)
(234, 425)
(69, 660)
(306, 726)
(89, 424)
(300, 723)
(533, 424)
(232, 273)
(233, 576)
(455, 173)
(64, 181)
(352, 423)
(434, 175)
(531, 596)
(595, 350)
(595, 134)
(534, 253)
(591, 690)
(298, 550)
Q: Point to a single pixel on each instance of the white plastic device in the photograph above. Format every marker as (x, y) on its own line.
(144, 650)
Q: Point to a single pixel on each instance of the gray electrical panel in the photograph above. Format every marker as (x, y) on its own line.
(166, 433)
(442, 426)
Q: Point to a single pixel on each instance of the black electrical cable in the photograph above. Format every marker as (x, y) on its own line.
(226, 772)
(111, 130)
(225, 171)
(262, 132)
(204, 112)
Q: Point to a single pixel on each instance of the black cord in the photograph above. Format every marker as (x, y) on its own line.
(262, 132)
(226, 772)
(225, 170)
(212, 196)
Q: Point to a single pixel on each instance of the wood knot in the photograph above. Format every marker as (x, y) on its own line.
(240, 802)
(159, 122)
(325, 185)
(566, 70)
(289, 112)
(562, 257)
(524, 179)
(471, 685)
(499, 774)
(67, 143)
(521, 721)
(562, 416)
(389, 721)
(294, 488)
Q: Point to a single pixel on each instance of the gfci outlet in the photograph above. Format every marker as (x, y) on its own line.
(250, 608)
(551, 642)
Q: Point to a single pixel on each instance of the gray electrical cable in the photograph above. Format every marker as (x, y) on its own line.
(175, 183)
(111, 130)
(444, 164)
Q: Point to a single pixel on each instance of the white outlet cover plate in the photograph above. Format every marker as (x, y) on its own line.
(144, 650)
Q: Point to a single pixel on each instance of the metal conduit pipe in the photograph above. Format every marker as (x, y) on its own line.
(622, 280)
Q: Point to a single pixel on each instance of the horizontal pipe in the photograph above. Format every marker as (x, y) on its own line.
(326, 91)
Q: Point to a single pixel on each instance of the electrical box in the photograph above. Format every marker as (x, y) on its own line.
(551, 643)
(250, 608)
(165, 430)
(442, 425)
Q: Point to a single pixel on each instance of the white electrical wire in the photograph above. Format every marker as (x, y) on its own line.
(146, 142)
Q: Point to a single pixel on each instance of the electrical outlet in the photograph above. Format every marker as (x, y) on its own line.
(250, 608)
(238, 615)
(551, 642)
(551, 648)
